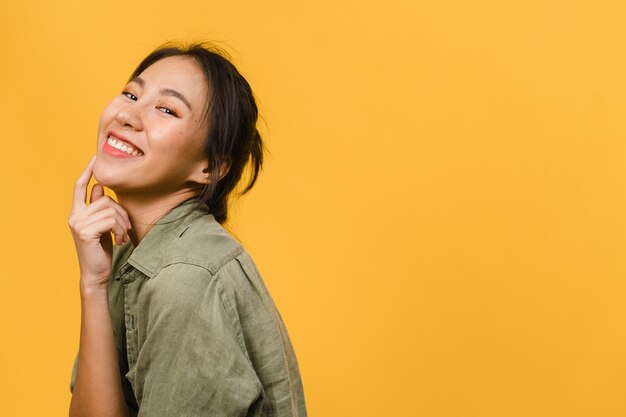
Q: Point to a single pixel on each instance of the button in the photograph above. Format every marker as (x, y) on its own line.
(125, 269)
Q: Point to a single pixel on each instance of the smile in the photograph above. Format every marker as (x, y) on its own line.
(122, 146)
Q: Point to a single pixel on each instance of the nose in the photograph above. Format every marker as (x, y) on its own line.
(129, 117)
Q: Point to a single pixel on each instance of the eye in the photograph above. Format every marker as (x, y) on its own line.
(129, 95)
(167, 111)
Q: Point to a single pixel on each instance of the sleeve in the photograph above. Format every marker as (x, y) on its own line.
(191, 359)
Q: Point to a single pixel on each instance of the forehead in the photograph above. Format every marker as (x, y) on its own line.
(179, 73)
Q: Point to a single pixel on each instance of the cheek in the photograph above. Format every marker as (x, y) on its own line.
(109, 112)
(178, 141)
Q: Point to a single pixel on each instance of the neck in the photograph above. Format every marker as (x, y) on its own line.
(143, 210)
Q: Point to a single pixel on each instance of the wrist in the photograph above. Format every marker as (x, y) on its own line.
(90, 289)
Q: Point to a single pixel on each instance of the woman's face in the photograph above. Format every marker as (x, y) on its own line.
(159, 114)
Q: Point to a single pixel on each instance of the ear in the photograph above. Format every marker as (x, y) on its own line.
(200, 174)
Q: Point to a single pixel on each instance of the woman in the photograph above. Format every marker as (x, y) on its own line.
(175, 318)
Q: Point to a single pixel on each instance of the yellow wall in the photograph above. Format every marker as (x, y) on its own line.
(441, 220)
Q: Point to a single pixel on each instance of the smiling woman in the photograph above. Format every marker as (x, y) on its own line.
(176, 319)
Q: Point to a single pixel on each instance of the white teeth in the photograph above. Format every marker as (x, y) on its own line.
(124, 147)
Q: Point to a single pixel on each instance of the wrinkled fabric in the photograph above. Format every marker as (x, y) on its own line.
(196, 330)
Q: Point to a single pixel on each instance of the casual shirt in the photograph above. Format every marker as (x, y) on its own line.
(196, 330)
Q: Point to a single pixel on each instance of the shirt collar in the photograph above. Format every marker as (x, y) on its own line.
(147, 256)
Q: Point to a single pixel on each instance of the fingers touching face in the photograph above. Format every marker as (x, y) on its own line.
(80, 186)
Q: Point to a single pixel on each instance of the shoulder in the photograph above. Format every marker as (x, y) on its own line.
(204, 243)
(224, 291)
(214, 273)
(198, 241)
(201, 263)
(204, 256)
(230, 276)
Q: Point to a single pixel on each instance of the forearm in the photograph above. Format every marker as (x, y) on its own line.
(97, 388)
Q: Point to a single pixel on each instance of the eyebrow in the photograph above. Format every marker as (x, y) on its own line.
(166, 91)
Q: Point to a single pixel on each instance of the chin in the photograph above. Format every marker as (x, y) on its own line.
(106, 177)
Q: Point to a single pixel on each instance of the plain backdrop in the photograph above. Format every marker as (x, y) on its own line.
(440, 221)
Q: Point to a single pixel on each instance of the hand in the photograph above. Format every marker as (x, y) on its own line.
(91, 227)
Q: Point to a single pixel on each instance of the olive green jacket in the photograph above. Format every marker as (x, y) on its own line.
(196, 330)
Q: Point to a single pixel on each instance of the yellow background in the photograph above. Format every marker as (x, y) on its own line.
(441, 219)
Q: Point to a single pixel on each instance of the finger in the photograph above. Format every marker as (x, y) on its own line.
(97, 230)
(119, 231)
(103, 202)
(119, 228)
(101, 219)
(124, 215)
(80, 186)
(97, 191)
(120, 210)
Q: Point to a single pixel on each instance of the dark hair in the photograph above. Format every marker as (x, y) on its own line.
(231, 113)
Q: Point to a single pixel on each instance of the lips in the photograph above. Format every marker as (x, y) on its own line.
(123, 139)
(117, 147)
